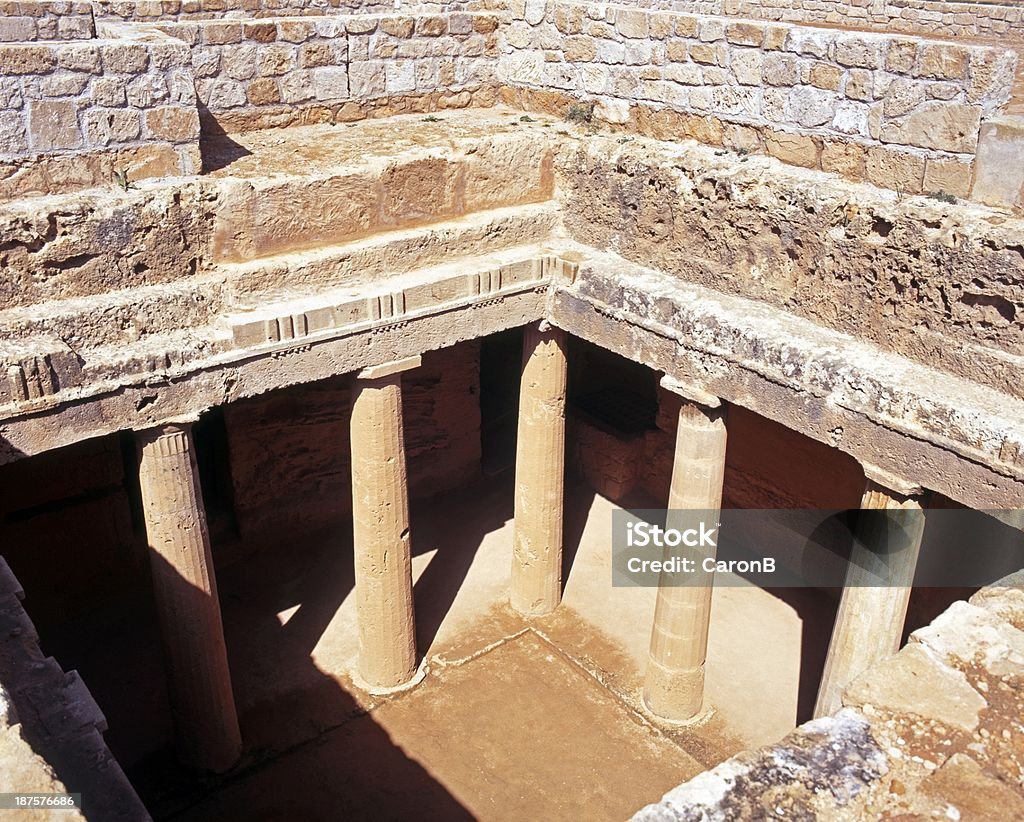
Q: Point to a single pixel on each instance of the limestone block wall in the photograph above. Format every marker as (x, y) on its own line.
(949, 19)
(151, 10)
(902, 112)
(62, 20)
(259, 73)
(130, 97)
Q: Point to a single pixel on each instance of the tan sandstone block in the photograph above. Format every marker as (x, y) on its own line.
(745, 34)
(263, 91)
(775, 38)
(261, 32)
(128, 58)
(901, 56)
(295, 31)
(175, 124)
(896, 170)
(845, 159)
(936, 125)
(485, 24)
(579, 49)
(741, 137)
(221, 33)
(398, 26)
(661, 26)
(826, 76)
(712, 54)
(999, 163)
(795, 149)
(53, 124)
(915, 682)
(951, 176)
(630, 23)
(942, 62)
(26, 60)
(677, 51)
(431, 26)
(686, 25)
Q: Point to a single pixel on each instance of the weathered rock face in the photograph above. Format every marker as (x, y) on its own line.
(102, 241)
(941, 286)
(932, 732)
(49, 721)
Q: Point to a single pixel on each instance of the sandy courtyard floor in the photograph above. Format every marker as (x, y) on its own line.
(514, 720)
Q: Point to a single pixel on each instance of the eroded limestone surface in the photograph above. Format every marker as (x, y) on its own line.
(935, 731)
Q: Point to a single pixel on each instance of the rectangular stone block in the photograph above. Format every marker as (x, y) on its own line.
(15, 29)
(13, 136)
(174, 124)
(366, 79)
(106, 126)
(53, 125)
(949, 176)
(936, 125)
(399, 77)
(745, 34)
(330, 83)
(999, 164)
(896, 170)
(124, 58)
(15, 60)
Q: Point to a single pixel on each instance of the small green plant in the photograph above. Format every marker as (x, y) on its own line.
(526, 118)
(430, 118)
(580, 113)
(121, 178)
(942, 196)
(625, 139)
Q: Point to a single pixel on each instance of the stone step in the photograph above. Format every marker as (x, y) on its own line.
(303, 188)
(291, 274)
(119, 317)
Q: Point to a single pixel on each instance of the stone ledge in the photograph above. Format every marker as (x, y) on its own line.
(890, 412)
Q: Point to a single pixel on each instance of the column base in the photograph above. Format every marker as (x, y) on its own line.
(376, 690)
(675, 696)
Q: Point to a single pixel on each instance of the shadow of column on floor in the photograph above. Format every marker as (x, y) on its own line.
(312, 751)
(455, 539)
(579, 498)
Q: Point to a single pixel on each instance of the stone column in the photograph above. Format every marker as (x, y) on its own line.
(380, 524)
(674, 682)
(879, 578)
(185, 590)
(540, 473)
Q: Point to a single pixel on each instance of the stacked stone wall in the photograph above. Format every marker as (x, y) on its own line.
(259, 73)
(29, 21)
(945, 18)
(901, 112)
(104, 95)
(153, 10)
